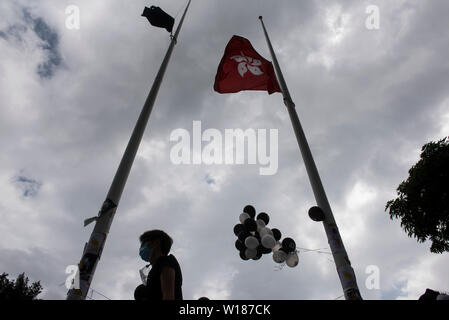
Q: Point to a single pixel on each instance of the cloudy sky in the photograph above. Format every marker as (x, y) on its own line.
(367, 99)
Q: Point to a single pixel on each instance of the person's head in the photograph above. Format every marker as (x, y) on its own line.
(153, 244)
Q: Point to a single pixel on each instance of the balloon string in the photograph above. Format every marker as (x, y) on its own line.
(315, 250)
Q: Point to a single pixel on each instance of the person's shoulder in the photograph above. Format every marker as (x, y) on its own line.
(173, 259)
(166, 261)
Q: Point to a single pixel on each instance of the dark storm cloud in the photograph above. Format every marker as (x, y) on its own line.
(29, 187)
(50, 44)
(209, 179)
(49, 41)
(14, 31)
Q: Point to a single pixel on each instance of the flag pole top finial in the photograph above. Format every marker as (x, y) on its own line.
(260, 17)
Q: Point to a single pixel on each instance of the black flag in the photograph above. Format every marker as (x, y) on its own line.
(159, 18)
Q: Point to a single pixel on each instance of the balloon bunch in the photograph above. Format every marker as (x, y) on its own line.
(256, 239)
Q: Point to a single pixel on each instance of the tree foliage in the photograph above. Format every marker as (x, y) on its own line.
(18, 289)
(422, 203)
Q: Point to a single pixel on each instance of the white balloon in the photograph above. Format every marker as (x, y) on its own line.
(250, 253)
(279, 256)
(243, 216)
(292, 259)
(251, 242)
(260, 224)
(263, 231)
(277, 246)
(268, 241)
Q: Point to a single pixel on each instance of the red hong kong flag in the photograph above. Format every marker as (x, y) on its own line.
(242, 68)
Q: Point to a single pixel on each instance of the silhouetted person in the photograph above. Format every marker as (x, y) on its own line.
(164, 280)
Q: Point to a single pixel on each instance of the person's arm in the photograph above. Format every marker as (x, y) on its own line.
(168, 283)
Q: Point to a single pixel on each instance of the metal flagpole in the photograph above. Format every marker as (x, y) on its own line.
(93, 249)
(344, 269)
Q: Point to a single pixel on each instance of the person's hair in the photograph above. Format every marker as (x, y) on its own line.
(165, 240)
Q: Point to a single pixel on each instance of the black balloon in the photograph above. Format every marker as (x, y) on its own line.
(243, 235)
(263, 250)
(316, 214)
(239, 245)
(238, 228)
(250, 210)
(289, 245)
(250, 225)
(283, 249)
(258, 256)
(243, 256)
(264, 217)
(276, 234)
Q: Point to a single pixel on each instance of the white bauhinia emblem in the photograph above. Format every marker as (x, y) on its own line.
(247, 63)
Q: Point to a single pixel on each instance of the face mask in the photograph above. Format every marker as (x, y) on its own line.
(145, 253)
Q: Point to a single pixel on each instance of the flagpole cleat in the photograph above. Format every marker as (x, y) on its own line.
(90, 220)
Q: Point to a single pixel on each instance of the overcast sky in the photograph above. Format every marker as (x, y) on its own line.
(367, 99)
